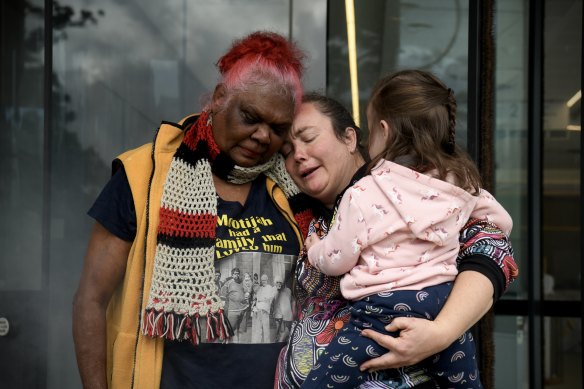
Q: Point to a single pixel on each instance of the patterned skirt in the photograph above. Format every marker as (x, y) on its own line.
(317, 326)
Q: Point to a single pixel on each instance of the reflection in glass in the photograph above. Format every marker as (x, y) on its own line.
(21, 146)
(510, 131)
(561, 150)
(138, 63)
(22, 205)
(562, 356)
(511, 352)
(562, 199)
(393, 35)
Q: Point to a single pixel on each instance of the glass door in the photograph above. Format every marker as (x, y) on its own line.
(23, 177)
(538, 329)
(114, 71)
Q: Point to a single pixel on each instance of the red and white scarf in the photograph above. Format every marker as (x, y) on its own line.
(183, 290)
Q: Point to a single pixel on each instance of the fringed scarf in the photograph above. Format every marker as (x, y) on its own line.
(183, 288)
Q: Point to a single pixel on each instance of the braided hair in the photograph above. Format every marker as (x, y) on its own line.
(450, 105)
(421, 113)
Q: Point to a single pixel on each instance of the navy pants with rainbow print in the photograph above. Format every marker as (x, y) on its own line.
(338, 366)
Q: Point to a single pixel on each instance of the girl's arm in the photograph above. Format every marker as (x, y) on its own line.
(338, 252)
(490, 210)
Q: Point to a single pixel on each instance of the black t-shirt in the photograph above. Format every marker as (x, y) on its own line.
(254, 240)
(114, 207)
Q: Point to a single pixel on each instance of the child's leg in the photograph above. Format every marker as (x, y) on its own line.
(448, 367)
(338, 365)
(456, 366)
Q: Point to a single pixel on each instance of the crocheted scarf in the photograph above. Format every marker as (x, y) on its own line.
(183, 290)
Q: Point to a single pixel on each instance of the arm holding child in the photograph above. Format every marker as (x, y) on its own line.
(483, 246)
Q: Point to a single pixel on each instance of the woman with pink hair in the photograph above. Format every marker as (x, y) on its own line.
(147, 313)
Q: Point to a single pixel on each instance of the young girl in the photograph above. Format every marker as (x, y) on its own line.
(395, 234)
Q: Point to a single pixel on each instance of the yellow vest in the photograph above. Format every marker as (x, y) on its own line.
(134, 360)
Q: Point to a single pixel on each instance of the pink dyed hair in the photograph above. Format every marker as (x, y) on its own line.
(264, 57)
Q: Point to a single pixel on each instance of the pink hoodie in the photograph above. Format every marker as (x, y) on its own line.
(398, 229)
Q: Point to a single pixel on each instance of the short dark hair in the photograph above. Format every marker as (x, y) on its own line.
(339, 116)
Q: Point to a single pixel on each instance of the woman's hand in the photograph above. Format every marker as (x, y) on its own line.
(417, 340)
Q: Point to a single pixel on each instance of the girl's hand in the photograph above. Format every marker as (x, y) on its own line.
(310, 241)
(417, 340)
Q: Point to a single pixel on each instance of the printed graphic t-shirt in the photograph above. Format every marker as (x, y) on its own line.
(255, 250)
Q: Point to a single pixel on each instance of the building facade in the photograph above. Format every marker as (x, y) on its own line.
(83, 80)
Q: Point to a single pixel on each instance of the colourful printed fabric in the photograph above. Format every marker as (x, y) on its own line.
(486, 239)
(337, 367)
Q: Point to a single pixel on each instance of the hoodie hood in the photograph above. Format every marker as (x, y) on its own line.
(432, 209)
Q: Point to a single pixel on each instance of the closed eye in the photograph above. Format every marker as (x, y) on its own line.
(307, 134)
(286, 149)
(249, 118)
(280, 129)
(308, 139)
